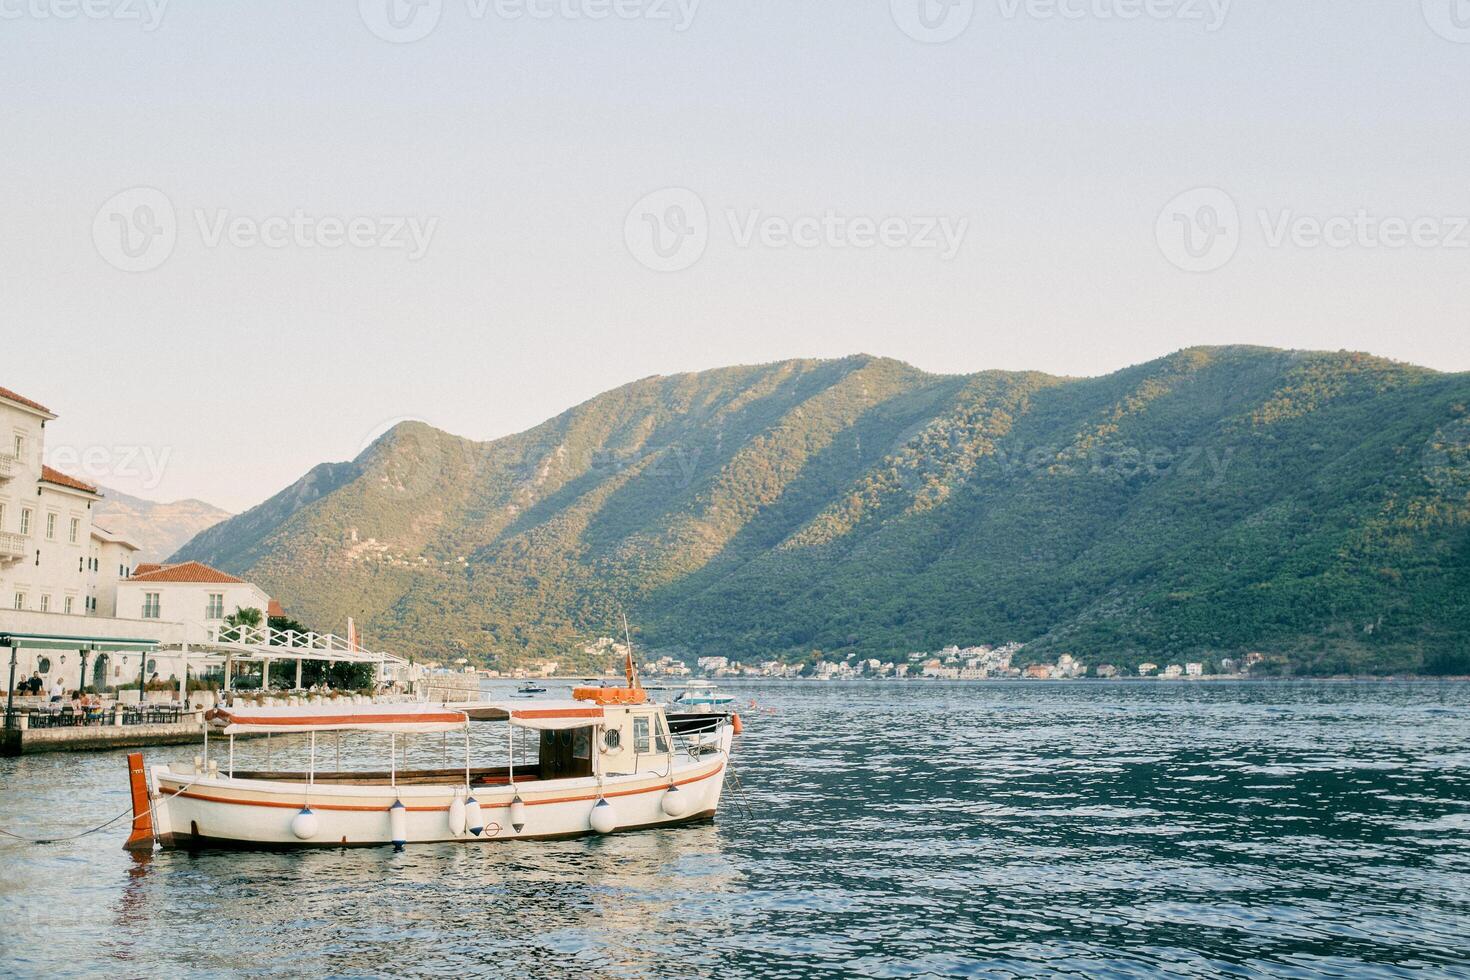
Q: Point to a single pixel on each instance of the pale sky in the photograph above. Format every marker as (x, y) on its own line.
(1041, 148)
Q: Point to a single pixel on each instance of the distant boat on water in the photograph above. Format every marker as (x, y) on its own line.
(703, 693)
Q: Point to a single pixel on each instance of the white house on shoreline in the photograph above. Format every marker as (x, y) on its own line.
(73, 606)
(189, 592)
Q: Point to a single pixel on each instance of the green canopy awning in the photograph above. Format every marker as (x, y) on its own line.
(96, 644)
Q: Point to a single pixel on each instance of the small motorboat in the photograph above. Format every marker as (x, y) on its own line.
(703, 693)
(529, 688)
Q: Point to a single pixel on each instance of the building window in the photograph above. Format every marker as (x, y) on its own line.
(50, 527)
(45, 603)
(76, 528)
(80, 566)
(2, 517)
(216, 607)
(150, 605)
(20, 447)
(25, 520)
(20, 600)
(67, 606)
(44, 665)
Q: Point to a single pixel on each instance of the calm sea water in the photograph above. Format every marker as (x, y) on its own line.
(886, 830)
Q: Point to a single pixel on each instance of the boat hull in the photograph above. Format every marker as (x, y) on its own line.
(193, 811)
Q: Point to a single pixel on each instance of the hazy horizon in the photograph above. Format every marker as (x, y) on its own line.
(243, 241)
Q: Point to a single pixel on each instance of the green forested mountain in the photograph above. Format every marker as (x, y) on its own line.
(1217, 501)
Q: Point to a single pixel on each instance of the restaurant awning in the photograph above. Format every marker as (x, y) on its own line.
(400, 718)
(61, 641)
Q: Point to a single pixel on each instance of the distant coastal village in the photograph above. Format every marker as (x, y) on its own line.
(953, 663)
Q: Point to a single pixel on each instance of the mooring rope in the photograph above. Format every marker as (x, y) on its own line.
(101, 826)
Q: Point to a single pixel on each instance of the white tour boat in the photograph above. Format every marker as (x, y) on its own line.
(607, 761)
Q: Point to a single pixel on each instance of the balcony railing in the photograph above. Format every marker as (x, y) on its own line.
(8, 466)
(12, 547)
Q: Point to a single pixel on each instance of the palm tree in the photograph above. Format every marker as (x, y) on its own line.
(251, 617)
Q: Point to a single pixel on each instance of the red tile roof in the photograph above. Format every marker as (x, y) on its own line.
(48, 475)
(144, 567)
(189, 571)
(7, 393)
(275, 609)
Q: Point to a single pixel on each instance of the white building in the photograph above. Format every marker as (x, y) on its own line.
(45, 518)
(71, 608)
(111, 560)
(190, 592)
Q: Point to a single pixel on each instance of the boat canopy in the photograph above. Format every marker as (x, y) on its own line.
(542, 715)
(401, 718)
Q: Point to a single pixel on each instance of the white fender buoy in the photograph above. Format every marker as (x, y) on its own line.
(456, 816)
(675, 802)
(517, 813)
(604, 820)
(398, 824)
(472, 818)
(305, 824)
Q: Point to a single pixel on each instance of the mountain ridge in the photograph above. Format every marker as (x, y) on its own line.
(158, 529)
(863, 505)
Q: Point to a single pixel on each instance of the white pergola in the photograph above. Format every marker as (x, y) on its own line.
(230, 645)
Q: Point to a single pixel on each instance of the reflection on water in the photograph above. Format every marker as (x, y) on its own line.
(893, 830)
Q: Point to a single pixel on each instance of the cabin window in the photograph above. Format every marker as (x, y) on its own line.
(661, 742)
(642, 742)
